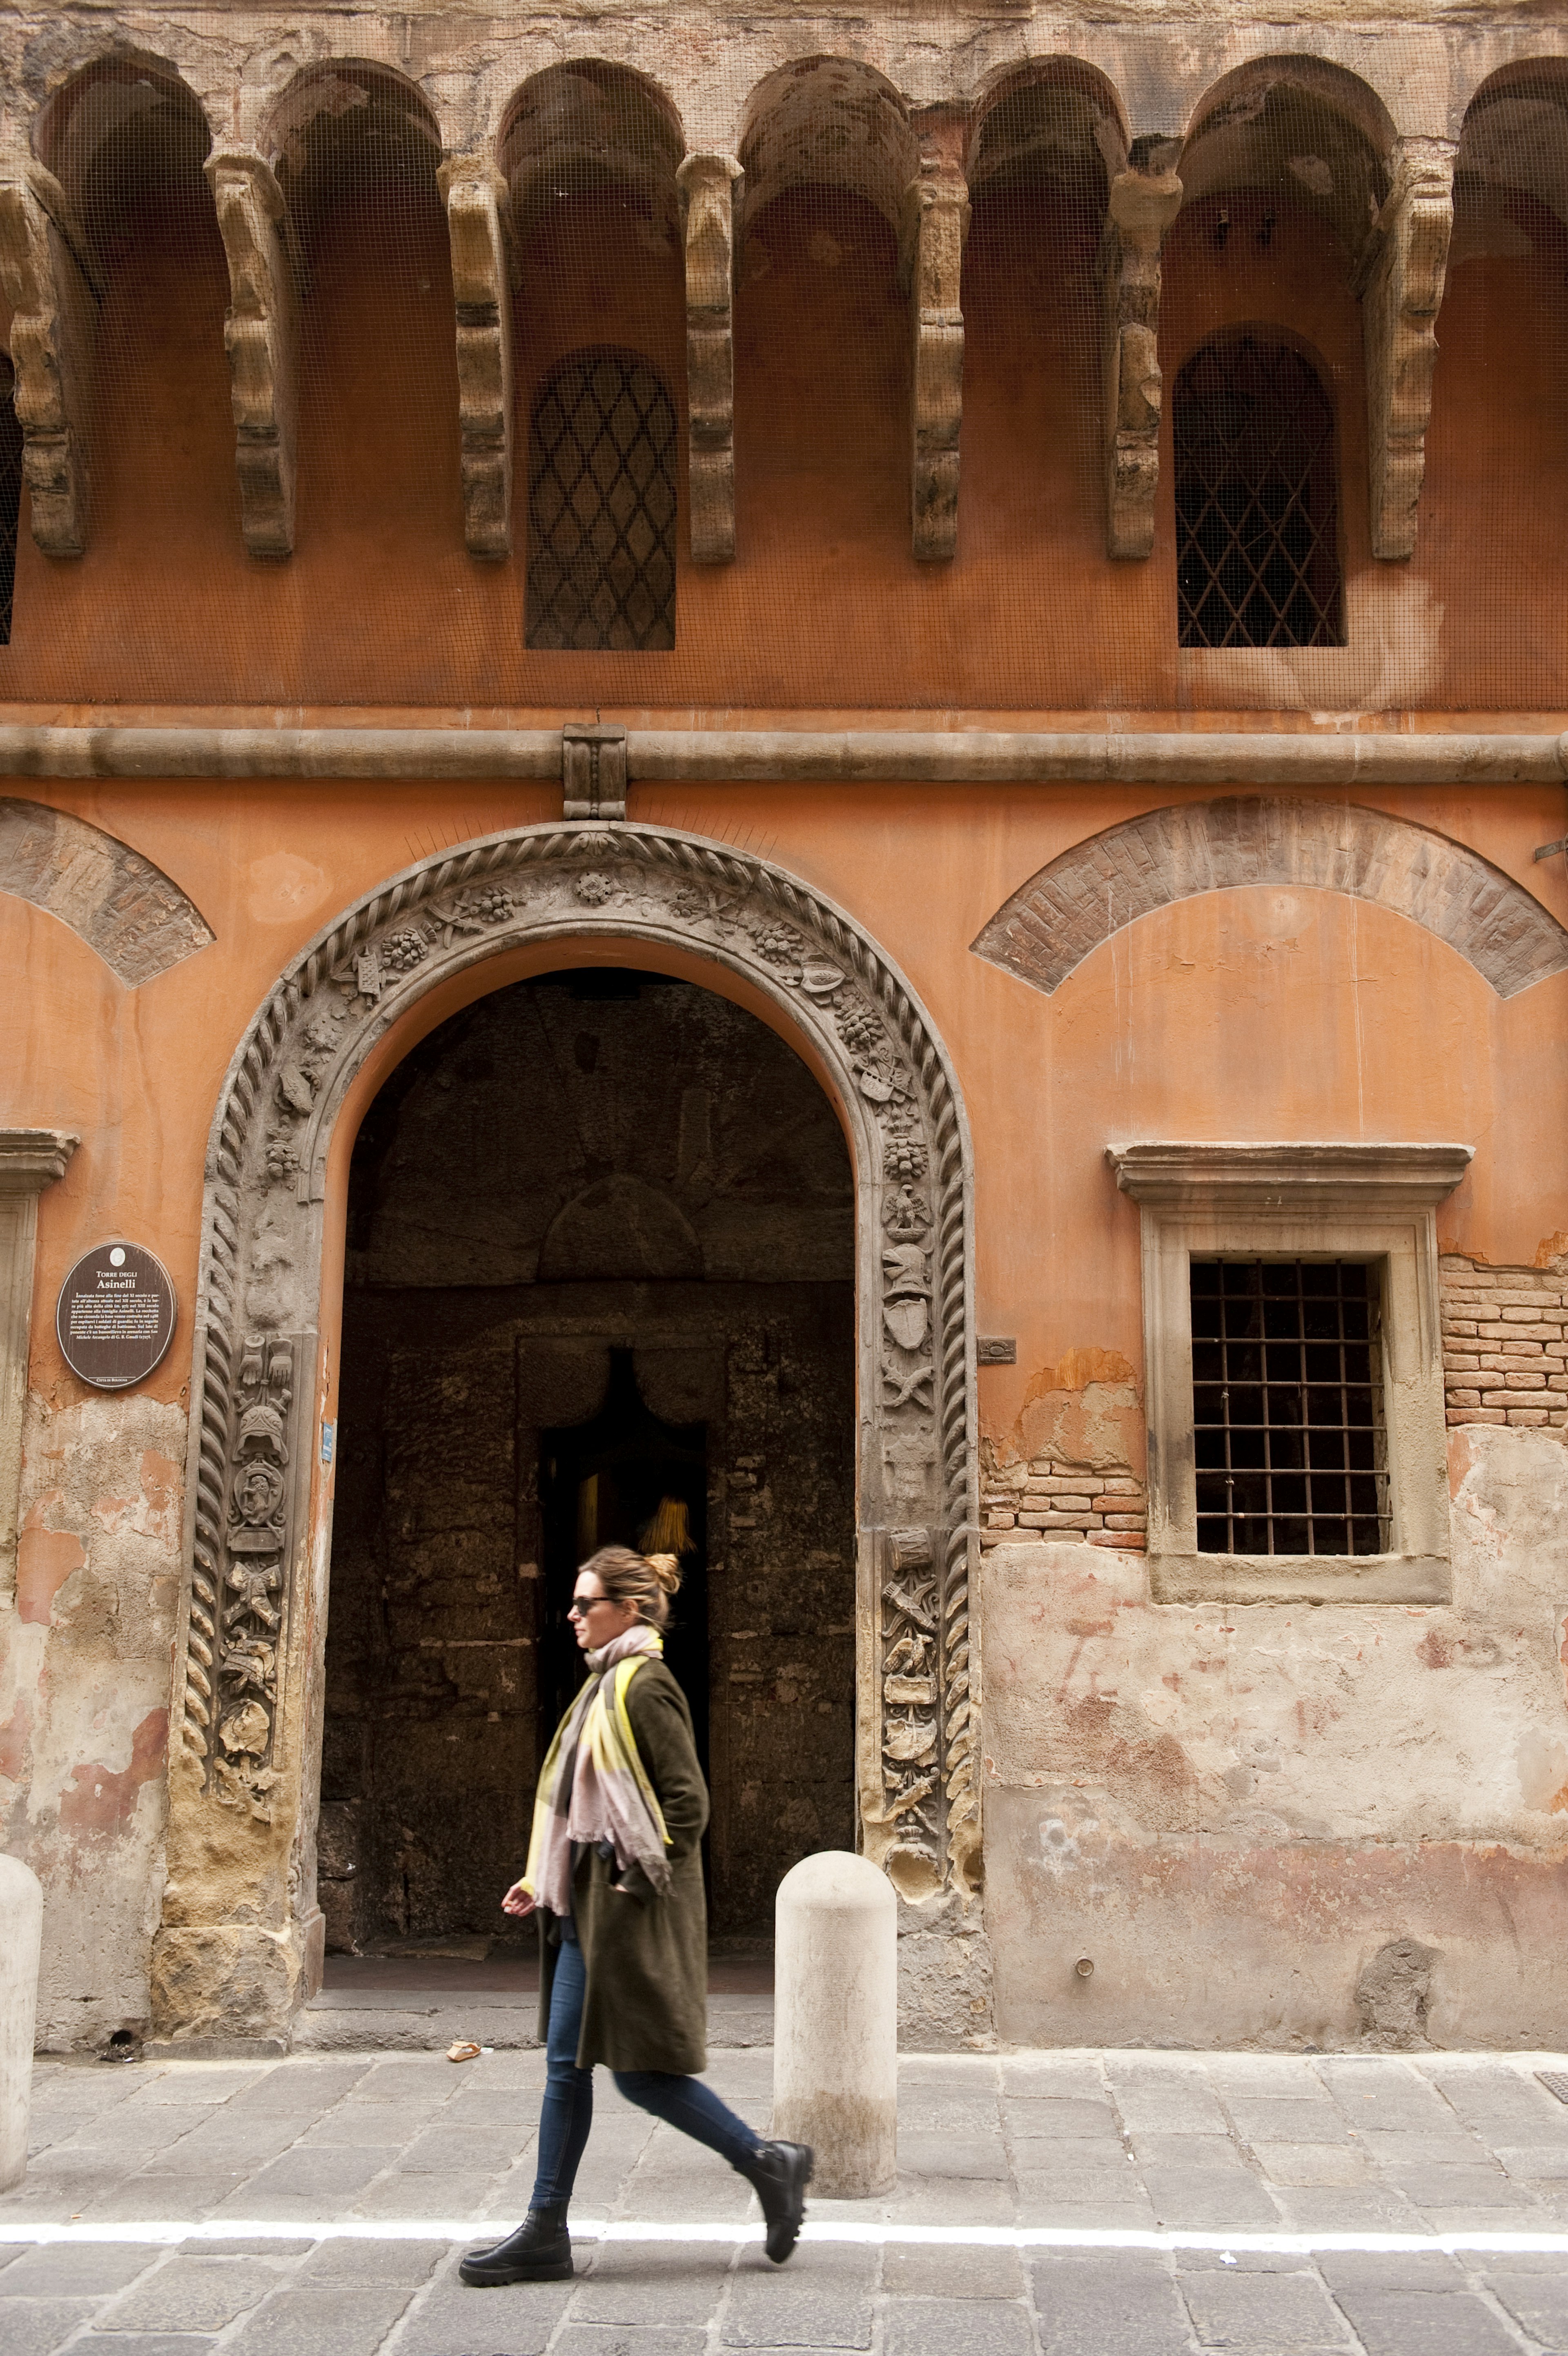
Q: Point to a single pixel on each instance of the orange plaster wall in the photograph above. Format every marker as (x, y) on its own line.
(824, 606)
(1252, 1014)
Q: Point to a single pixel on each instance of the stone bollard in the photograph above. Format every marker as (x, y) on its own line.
(21, 1927)
(835, 2021)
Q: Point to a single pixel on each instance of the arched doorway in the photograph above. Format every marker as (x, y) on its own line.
(598, 1288)
(242, 1934)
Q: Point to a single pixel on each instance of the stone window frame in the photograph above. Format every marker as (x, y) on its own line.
(1375, 1203)
(30, 1160)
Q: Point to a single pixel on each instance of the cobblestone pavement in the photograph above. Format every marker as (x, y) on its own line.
(315, 2206)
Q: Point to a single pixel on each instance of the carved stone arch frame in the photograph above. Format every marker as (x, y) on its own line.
(239, 1945)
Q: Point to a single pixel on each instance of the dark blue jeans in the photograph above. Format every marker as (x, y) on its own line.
(567, 2111)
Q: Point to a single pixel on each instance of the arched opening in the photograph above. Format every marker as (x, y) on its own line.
(599, 1286)
(1494, 445)
(822, 351)
(589, 153)
(1038, 170)
(10, 496)
(356, 150)
(1256, 498)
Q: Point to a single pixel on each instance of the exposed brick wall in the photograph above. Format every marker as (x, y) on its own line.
(1505, 1344)
(1046, 1499)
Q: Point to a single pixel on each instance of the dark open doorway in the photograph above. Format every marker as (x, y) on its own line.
(601, 1238)
(625, 1478)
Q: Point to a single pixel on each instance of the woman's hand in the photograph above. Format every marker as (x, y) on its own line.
(517, 1901)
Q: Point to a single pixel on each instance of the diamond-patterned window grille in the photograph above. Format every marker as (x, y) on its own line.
(1257, 525)
(601, 507)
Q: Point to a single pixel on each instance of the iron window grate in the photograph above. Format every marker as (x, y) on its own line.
(1287, 1408)
(601, 508)
(1257, 529)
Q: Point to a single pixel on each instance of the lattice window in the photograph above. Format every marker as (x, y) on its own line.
(1287, 1408)
(10, 496)
(601, 507)
(1257, 528)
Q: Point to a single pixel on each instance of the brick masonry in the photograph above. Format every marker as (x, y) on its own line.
(1045, 1498)
(1505, 1344)
(1505, 1361)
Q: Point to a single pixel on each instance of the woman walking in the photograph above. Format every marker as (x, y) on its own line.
(615, 1876)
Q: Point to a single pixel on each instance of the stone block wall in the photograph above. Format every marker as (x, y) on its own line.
(1505, 1344)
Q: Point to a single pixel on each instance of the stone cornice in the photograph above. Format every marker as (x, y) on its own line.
(32, 1159)
(884, 755)
(1288, 1178)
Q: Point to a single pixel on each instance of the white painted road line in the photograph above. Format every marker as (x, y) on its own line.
(164, 2232)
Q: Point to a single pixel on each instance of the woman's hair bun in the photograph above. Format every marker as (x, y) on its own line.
(666, 1570)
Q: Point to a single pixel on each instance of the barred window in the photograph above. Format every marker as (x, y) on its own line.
(1257, 525)
(1287, 1408)
(10, 493)
(601, 507)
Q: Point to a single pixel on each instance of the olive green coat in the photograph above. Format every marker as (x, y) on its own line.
(647, 1958)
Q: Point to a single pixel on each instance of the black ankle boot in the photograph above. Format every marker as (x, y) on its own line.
(539, 2251)
(780, 2175)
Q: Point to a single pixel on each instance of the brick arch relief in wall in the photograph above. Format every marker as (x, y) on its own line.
(128, 911)
(1103, 885)
(257, 1575)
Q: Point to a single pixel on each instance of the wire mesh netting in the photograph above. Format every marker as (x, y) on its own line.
(1261, 511)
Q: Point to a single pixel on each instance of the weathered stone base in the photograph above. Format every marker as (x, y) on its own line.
(944, 1980)
(234, 1982)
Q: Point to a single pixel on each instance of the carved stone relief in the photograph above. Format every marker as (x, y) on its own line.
(262, 1274)
(260, 336)
(476, 197)
(709, 186)
(49, 283)
(1400, 307)
(123, 906)
(1140, 209)
(245, 1512)
(935, 225)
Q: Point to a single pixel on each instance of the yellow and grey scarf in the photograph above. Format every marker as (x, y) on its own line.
(593, 1785)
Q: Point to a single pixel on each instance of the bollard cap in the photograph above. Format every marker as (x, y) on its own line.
(835, 1881)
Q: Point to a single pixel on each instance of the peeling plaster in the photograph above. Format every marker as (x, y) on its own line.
(85, 1666)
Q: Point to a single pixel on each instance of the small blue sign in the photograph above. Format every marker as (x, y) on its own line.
(329, 1434)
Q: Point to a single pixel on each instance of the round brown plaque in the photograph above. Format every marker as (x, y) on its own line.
(116, 1315)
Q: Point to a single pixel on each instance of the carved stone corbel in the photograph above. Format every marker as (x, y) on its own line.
(260, 335)
(593, 771)
(936, 222)
(1140, 209)
(476, 197)
(1399, 306)
(708, 186)
(49, 283)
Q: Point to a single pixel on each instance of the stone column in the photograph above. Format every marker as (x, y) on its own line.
(1399, 306)
(708, 186)
(30, 1160)
(936, 222)
(476, 197)
(47, 280)
(260, 335)
(1140, 209)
